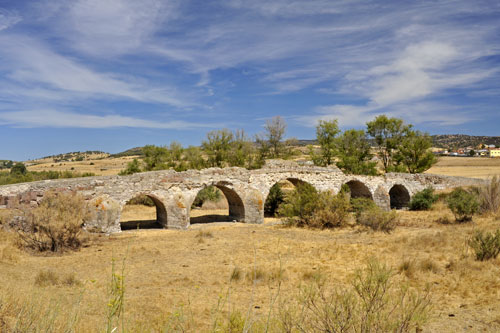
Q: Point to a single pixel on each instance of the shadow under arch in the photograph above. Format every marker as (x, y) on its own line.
(359, 189)
(145, 223)
(399, 196)
(277, 192)
(236, 208)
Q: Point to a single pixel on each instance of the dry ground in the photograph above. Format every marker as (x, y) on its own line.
(474, 167)
(101, 167)
(182, 275)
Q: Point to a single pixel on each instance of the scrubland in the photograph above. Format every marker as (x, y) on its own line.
(188, 279)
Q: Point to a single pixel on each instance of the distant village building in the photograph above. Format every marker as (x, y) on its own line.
(494, 152)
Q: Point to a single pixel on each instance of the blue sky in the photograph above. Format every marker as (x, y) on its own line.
(114, 74)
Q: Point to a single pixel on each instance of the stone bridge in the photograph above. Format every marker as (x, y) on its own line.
(245, 190)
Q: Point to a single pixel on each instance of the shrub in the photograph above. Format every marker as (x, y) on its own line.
(332, 211)
(141, 200)
(373, 303)
(378, 219)
(305, 206)
(274, 199)
(132, 167)
(423, 200)
(359, 205)
(463, 204)
(56, 224)
(486, 245)
(209, 193)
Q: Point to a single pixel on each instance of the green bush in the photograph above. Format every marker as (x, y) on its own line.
(378, 219)
(132, 167)
(359, 205)
(209, 193)
(423, 200)
(307, 207)
(486, 245)
(463, 204)
(274, 199)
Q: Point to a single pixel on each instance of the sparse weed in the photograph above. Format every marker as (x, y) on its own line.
(428, 265)
(236, 274)
(46, 278)
(486, 245)
(407, 267)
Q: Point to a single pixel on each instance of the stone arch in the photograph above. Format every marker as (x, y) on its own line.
(161, 213)
(399, 196)
(294, 181)
(359, 189)
(236, 207)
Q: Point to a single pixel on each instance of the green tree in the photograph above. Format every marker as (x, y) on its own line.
(132, 167)
(326, 134)
(194, 158)
(387, 133)
(242, 152)
(217, 147)
(354, 153)
(19, 169)
(155, 158)
(175, 160)
(414, 151)
(275, 129)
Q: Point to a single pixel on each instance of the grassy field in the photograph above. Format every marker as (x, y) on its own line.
(184, 277)
(474, 167)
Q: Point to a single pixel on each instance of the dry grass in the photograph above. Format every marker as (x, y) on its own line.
(474, 167)
(172, 274)
(101, 167)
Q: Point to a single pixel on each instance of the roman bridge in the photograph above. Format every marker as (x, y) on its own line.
(245, 190)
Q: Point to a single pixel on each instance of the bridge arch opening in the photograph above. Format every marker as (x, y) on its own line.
(144, 211)
(217, 203)
(359, 190)
(400, 197)
(278, 192)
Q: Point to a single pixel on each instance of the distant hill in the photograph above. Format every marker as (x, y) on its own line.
(73, 156)
(451, 141)
(137, 151)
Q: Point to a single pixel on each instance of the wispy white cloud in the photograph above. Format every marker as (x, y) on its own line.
(54, 118)
(31, 63)
(8, 18)
(421, 71)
